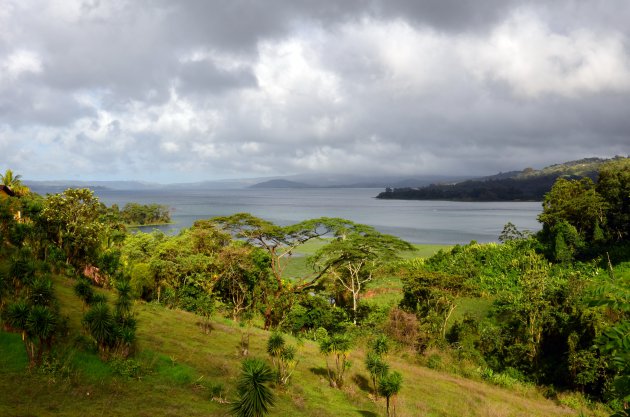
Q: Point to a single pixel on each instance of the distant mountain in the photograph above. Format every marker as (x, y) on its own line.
(526, 185)
(280, 183)
(44, 187)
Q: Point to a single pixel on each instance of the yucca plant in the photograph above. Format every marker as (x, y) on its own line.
(337, 346)
(41, 324)
(388, 387)
(100, 323)
(255, 397)
(282, 357)
(378, 369)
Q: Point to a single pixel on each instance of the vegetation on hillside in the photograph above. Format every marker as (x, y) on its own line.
(526, 185)
(549, 310)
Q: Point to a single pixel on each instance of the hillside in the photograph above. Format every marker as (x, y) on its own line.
(183, 369)
(526, 185)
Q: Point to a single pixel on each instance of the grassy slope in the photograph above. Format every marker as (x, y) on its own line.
(183, 366)
(185, 363)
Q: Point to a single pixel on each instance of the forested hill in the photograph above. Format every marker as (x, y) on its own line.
(526, 185)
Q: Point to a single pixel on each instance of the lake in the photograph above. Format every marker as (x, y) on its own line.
(438, 222)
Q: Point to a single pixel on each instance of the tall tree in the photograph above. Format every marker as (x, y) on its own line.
(576, 203)
(73, 223)
(279, 243)
(613, 185)
(353, 258)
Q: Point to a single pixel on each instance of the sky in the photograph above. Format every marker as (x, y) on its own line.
(164, 91)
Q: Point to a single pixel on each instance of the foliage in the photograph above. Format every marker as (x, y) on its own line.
(113, 332)
(353, 258)
(255, 397)
(282, 357)
(613, 185)
(389, 386)
(279, 243)
(72, 223)
(432, 296)
(312, 312)
(338, 346)
(141, 214)
(377, 367)
(614, 341)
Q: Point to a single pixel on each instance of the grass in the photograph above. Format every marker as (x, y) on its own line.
(183, 369)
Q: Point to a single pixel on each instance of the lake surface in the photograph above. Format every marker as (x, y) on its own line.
(439, 222)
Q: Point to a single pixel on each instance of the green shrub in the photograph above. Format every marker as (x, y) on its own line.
(129, 368)
(434, 361)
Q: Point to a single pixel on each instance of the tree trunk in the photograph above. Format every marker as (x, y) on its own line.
(448, 315)
(355, 297)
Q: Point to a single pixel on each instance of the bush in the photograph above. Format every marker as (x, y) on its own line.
(434, 361)
(129, 368)
(402, 327)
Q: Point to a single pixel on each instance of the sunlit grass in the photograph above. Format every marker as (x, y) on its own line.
(184, 368)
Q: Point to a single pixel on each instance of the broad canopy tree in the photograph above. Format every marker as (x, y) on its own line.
(353, 258)
(279, 243)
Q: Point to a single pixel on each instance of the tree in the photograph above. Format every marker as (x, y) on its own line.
(73, 223)
(14, 182)
(575, 203)
(338, 346)
(37, 324)
(353, 258)
(255, 397)
(432, 295)
(528, 309)
(279, 243)
(613, 185)
(511, 233)
(282, 357)
(242, 272)
(377, 367)
(100, 323)
(389, 387)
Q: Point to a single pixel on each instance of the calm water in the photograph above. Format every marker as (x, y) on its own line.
(442, 222)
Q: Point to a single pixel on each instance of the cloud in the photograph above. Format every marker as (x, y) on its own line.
(168, 91)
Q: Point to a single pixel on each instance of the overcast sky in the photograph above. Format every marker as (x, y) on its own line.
(194, 90)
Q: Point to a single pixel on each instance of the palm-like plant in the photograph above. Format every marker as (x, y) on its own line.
(338, 346)
(100, 324)
(9, 179)
(14, 182)
(16, 316)
(255, 397)
(388, 387)
(40, 291)
(83, 289)
(124, 301)
(282, 357)
(377, 367)
(22, 269)
(380, 345)
(41, 325)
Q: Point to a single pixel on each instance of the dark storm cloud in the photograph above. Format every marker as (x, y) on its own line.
(209, 89)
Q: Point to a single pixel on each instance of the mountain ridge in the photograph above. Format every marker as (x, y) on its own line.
(526, 185)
